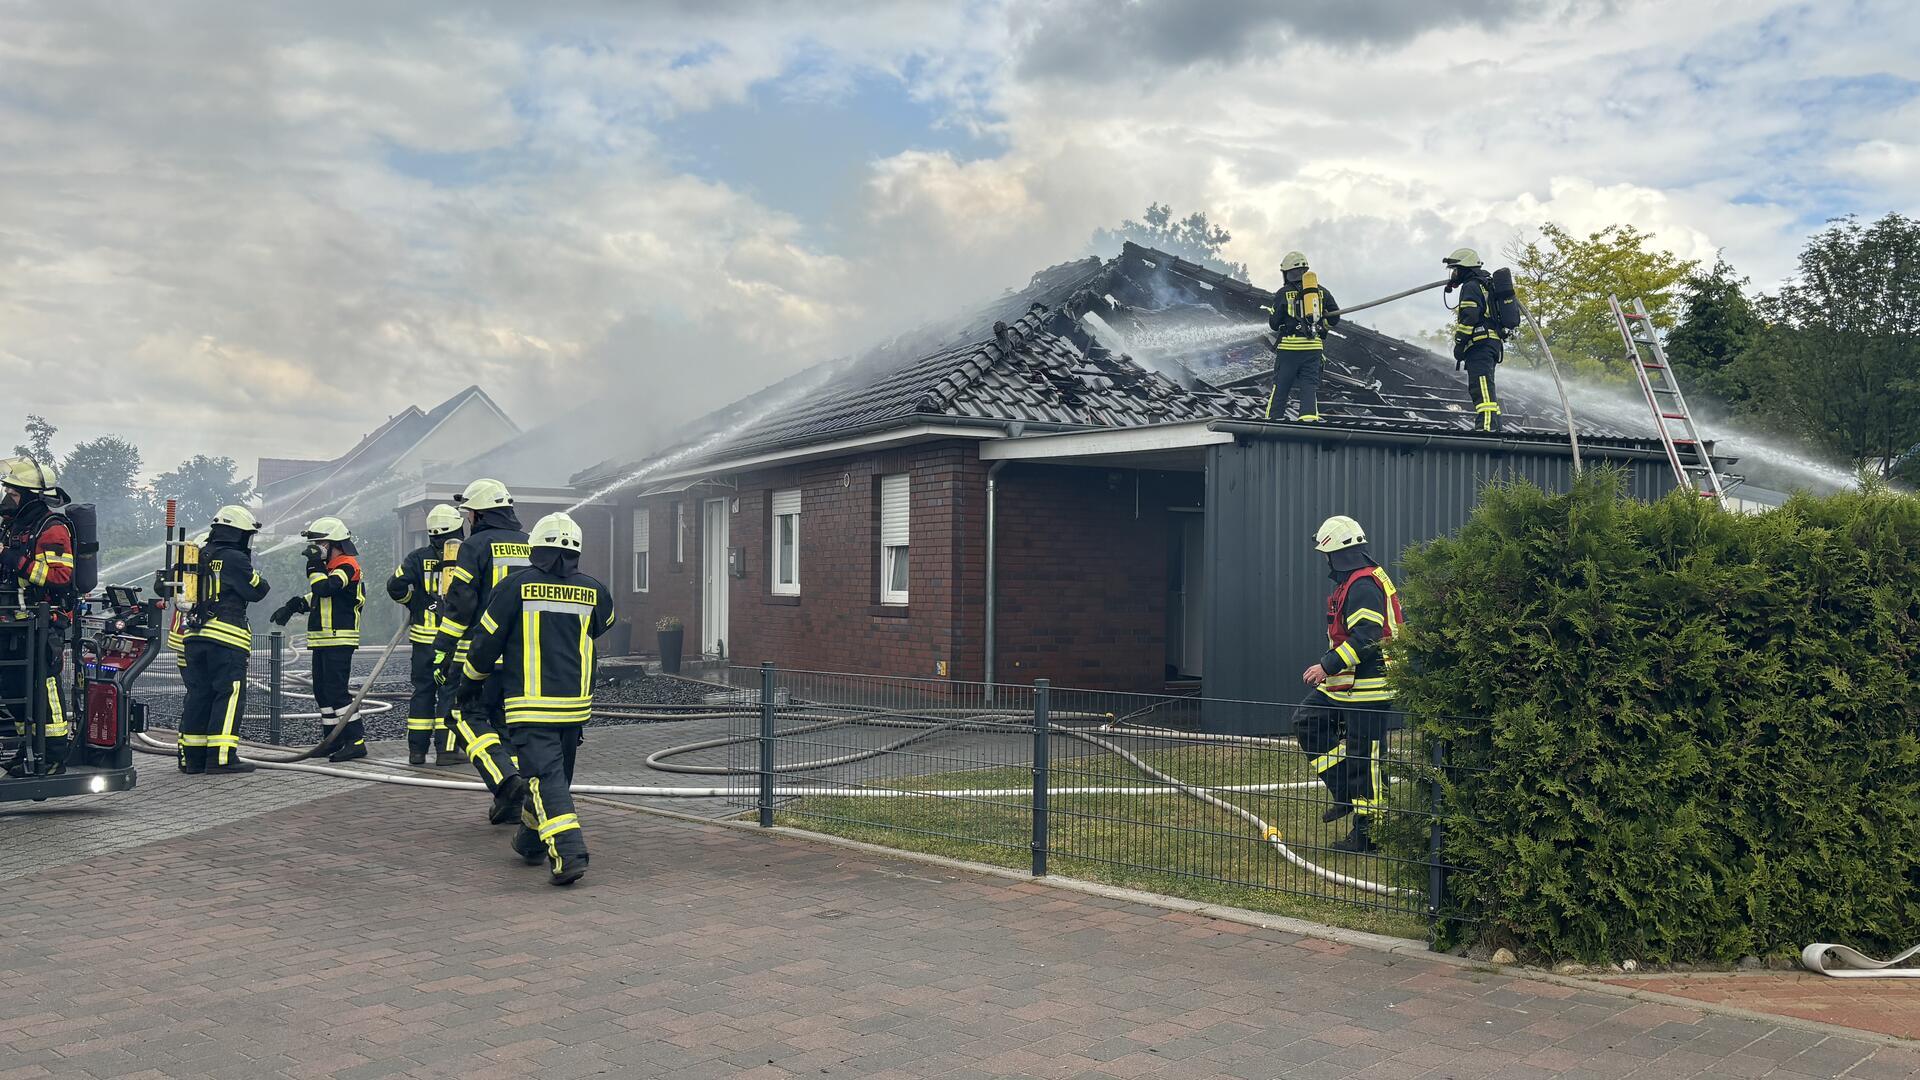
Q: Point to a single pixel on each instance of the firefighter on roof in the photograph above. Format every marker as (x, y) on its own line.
(335, 596)
(415, 584)
(539, 627)
(495, 547)
(1342, 722)
(1301, 316)
(1476, 335)
(36, 565)
(218, 641)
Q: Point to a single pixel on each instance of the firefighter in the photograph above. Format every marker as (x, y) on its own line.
(495, 547)
(1301, 317)
(335, 596)
(218, 642)
(1477, 343)
(36, 565)
(1342, 722)
(539, 627)
(415, 584)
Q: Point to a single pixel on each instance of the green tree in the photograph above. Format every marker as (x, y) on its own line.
(1841, 346)
(39, 444)
(201, 485)
(1193, 238)
(1717, 326)
(106, 472)
(1565, 280)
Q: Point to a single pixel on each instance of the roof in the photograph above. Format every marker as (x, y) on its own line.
(1142, 338)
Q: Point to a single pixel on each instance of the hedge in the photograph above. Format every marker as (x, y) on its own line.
(1695, 732)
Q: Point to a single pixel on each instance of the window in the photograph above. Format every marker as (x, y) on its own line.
(679, 533)
(642, 548)
(893, 539)
(786, 542)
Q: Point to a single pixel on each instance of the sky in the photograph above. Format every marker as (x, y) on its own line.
(261, 229)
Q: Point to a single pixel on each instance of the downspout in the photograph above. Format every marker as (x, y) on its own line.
(993, 583)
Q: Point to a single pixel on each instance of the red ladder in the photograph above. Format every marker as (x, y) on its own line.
(1692, 464)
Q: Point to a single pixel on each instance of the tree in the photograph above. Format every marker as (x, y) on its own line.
(106, 472)
(39, 444)
(1193, 238)
(1842, 342)
(1717, 326)
(201, 486)
(1565, 281)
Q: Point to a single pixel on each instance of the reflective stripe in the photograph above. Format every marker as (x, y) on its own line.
(488, 624)
(1347, 652)
(460, 573)
(471, 672)
(228, 740)
(1300, 344)
(226, 633)
(556, 826)
(477, 747)
(56, 711)
(1331, 758)
(422, 635)
(1365, 614)
(420, 723)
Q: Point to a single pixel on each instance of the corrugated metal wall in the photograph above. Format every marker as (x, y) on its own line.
(1266, 610)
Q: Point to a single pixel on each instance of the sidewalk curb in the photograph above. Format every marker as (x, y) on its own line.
(1380, 943)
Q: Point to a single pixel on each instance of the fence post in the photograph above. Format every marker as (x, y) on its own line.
(1042, 691)
(766, 745)
(1436, 872)
(274, 640)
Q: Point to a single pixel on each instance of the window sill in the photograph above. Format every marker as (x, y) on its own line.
(888, 611)
(780, 600)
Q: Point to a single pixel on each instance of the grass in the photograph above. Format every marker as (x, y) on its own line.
(1166, 843)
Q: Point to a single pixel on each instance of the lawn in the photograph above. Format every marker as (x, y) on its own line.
(1167, 842)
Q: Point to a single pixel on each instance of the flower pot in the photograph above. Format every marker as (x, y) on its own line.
(670, 644)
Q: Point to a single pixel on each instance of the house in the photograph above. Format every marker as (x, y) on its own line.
(1075, 482)
(408, 445)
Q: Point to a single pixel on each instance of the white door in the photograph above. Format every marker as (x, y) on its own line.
(713, 586)
(1193, 596)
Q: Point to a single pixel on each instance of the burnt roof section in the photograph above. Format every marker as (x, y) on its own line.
(1143, 338)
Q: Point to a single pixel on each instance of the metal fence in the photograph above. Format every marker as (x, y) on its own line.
(1113, 787)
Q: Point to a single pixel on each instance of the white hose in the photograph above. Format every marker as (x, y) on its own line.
(1853, 964)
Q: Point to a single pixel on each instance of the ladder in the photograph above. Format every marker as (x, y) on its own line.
(1692, 464)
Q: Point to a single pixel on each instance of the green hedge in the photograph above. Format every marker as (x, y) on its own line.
(1696, 730)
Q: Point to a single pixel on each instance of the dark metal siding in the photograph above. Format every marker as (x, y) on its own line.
(1267, 587)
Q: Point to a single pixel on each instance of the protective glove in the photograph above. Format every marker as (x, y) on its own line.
(1459, 350)
(285, 613)
(443, 669)
(467, 692)
(14, 559)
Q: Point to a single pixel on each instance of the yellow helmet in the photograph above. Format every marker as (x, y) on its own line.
(1337, 533)
(442, 519)
(327, 528)
(556, 530)
(484, 494)
(235, 516)
(29, 475)
(1293, 260)
(1463, 257)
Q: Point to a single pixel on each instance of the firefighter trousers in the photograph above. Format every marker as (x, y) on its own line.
(216, 677)
(1346, 744)
(1481, 362)
(549, 827)
(481, 735)
(45, 699)
(430, 705)
(1296, 369)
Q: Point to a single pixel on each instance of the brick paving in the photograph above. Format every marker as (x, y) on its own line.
(1888, 1006)
(384, 932)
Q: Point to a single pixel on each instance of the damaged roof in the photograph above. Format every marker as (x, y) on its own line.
(1143, 338)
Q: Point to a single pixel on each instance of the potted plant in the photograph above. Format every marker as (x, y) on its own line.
(672, 635)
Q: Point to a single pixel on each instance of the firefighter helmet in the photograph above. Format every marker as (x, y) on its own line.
(484, 494)
(1293, 260)
(556, 531)
(1466, 257)
(1338, 533)
(28, 474)
(442, 519)
(327, 528)
(235, 516)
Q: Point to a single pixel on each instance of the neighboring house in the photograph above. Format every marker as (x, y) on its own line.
(408, 445)
(1073, 483)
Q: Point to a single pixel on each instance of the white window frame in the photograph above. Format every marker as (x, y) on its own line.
(896, 543)
(642, 549)
(680, 533)
(785, 513)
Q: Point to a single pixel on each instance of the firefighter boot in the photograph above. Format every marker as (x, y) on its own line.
(506, 803)
(444, 750)
(235, 764)
(353, 742)
(1357, 841)
(572, 869)
(526, 840)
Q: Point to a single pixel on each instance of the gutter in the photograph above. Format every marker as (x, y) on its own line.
(1412, 440)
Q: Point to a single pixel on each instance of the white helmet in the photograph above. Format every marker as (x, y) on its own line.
(484, 494)
(326, 528)
(235, 516)
(1463, 257)
(1293, 260)
(27, 474)
(556, 530)
(442, 519)
(1338, 533)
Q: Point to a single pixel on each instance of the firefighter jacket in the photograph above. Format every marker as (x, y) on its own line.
(495, 547)
(1363, 615)
(335, 595)
(539, 627)
(37, 557)
(1298, 332)
(1474, 327)
(228, 583)
(415, 584)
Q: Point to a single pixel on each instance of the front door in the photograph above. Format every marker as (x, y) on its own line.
(713, 582)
